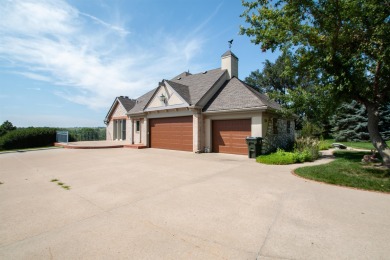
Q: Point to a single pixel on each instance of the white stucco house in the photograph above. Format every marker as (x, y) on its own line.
(208, 111)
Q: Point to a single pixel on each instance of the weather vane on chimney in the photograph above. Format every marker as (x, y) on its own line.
(230, 44)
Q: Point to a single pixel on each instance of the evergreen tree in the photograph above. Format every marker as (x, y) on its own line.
(384, 123)
(350, 122)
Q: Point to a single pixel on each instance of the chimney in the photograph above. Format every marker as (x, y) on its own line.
(229, 62)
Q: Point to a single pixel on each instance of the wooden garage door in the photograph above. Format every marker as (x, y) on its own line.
(229, 136)
(174, 133)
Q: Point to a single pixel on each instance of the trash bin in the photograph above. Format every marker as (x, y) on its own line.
(254, 146)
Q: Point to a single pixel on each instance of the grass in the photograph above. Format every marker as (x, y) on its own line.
(367, 145)
(66, 187)
(361, 145)
(347, 170)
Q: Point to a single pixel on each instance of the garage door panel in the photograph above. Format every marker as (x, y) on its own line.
(174, 133)
(229, 136)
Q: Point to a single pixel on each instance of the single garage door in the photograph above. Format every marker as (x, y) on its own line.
(174, 133)
(229, 136)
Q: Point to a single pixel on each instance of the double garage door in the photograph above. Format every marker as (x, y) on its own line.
(176, 133)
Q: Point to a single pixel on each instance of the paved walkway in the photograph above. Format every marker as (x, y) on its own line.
(159, 204)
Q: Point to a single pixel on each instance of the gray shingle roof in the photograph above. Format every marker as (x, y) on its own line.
(141, 102)
(181, 89)
(127, 102)
(235, 94)
(198, 84)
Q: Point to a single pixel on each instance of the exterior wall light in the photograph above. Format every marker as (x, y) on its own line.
(163, 98)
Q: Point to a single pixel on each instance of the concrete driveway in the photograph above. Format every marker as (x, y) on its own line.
(159, 204)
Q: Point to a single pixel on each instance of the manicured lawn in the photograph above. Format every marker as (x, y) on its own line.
(361, 145)
(347, 170)
(356, 145)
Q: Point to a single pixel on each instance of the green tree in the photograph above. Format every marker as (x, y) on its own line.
(350, 122)
(384, 123)
(294, 90)
(6, 127)
(343, 43)
(274, 79)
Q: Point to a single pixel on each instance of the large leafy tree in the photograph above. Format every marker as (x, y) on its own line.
(6, 127)
(343, 43)
(294, 90)
(274, 79)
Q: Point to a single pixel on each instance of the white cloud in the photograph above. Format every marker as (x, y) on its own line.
(34, 76)
(90, 61)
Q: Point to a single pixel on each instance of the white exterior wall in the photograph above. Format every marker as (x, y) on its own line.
(257, 126)
(173, 99)
(129, 131)
(230, 64)
(137, 135)
(144, 132)
(207, 133)
(197, 131)
(110, 130)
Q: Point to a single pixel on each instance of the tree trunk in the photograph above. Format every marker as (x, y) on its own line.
(375, 136)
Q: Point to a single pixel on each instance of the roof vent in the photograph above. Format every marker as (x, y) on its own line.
(205, 72)
(179, 78)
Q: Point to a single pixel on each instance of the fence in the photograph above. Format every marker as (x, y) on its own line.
(62, 136)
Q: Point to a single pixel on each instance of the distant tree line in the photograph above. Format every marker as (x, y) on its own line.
(12, 137)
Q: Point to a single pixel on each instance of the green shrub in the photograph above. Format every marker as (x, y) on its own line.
(305, 150)
(280, 157)
(309, 147)
(28, 138)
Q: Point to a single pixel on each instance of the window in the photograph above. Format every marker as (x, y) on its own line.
(288, 126)
(275, 126)
(119, 129)
(123, 137)
(137, 125)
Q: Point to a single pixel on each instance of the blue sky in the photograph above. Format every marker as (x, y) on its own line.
(62, 63)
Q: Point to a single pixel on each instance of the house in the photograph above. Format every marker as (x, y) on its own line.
(209, 111)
